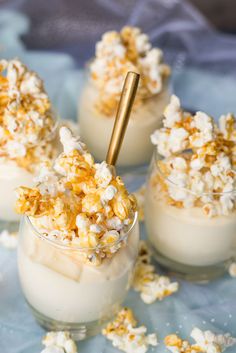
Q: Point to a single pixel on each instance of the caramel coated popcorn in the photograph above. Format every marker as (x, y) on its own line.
(79, 203)
(125, 335)
(120, 52)
(205, 342)
(199, 164)
(146, 281)
(26, 117)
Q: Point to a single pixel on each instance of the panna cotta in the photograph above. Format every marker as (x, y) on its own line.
(78, 241)
(26, 131)
(190, 207)
(116, 54)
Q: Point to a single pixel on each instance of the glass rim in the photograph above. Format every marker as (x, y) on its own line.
(67, 247)
(156, 154)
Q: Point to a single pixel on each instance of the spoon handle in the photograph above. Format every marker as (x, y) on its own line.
(122, 116)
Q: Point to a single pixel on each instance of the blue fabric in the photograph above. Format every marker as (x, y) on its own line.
(211, 306)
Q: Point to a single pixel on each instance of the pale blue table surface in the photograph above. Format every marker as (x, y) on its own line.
(211, 306)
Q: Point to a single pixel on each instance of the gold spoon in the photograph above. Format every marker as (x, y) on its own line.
(122, 116)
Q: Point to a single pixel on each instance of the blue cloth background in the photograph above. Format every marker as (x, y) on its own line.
(211, 306)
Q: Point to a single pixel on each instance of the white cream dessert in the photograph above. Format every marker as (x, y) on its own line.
(80, 240)
(190, 207)
(116, 54)
(26, 130)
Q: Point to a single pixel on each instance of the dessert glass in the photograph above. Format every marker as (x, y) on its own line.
(144, 119)
(190, 204)
(185, 240)
(27, 128)
(78, 242)
(116, 54)
(66, 294)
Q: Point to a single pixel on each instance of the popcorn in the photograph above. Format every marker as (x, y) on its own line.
(173, 112)
(79, 203)
(210, 342)
(69, 142)
(227, 127)
(204, 125)
(108, 194)
(176, 345)
(205, 342)
(199, 164)
(232, 269)
(150, 284)
(8, 240)
(103, 174)
(120, 52)
(126, 336)
(59, 342)
(27, 120)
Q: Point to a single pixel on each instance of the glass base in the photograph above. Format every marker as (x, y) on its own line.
(78, 331)
(200, 274)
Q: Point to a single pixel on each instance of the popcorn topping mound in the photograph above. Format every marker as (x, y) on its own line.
(199, 164)
(151, 285)
(126, 336)
(8, 240)
(26, 118)
(79, 203)
(59, 342)
(205, 342)
(120, 52)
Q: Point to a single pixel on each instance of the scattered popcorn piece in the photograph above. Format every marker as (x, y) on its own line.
(139, 194)
(232, 269)
(176, 345)
(210, 342)
(125, 335)
(120, 52)
(199, 164)
(8, 240)
(151, 285)
(79, 203)
(59, 342)
(205, 342)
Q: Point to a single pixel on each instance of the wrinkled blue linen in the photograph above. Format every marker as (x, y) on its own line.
(210, 306)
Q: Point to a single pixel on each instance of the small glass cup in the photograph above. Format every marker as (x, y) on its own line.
(96, 128)
(184, 240)
(63, 292)
(13, 176)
